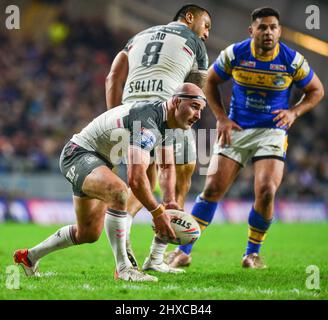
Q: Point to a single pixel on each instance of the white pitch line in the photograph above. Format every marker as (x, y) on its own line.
(295, 292)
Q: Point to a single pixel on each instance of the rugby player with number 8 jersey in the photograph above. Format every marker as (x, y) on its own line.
(153, 63)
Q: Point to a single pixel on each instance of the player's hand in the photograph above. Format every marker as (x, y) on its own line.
(163, 227)
(224, 128)
(285, 118)
(172, 205)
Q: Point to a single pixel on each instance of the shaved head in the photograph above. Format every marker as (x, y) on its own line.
(189, 90)
(185, 106)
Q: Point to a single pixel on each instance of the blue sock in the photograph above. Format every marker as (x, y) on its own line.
(257, 230)
(203, 211)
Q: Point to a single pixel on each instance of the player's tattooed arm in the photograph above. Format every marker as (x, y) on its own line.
(198, 78)
(116, 79)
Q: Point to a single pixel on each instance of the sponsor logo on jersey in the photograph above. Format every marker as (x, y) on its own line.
(71, 174)
(146, 86)
(147, 139)
(279, 81)
(277, 67)
(271, 81)
(257, 103)
(250, 64)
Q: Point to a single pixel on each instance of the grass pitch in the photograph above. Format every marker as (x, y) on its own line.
(86, 272)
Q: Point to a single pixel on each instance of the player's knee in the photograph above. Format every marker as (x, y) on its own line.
(117, 196)
(88, 236)
(213, 191)
(266, 193)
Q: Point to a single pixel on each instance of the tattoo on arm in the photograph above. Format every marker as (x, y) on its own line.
(198, 78)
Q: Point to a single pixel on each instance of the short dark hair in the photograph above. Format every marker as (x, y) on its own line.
(265, 12)
(193, 8)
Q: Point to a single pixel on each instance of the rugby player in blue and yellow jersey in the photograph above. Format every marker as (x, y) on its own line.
(263, 70)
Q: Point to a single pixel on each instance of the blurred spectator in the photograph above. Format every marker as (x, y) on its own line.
(50, 90)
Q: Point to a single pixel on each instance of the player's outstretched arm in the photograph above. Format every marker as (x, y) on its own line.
(167, 176)
(116, 79)
(224, 124)
(313, 94)
(140, 186)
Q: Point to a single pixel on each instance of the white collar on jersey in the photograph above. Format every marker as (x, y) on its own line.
(165, 110)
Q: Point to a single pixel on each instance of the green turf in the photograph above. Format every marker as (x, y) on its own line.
(86, 272)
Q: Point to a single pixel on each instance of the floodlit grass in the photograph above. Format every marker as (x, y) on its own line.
(86, 272)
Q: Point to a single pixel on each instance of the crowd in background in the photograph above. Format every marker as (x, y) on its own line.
(51, 89)
(48, 90)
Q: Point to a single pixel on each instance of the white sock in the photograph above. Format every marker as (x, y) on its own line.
(115, 227)
(63, 238)
(157, 250)
(129, 220)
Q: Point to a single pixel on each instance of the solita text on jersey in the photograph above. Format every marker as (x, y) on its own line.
(146, 86)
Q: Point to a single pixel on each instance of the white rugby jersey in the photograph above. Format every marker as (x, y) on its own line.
(160, 59)
(142, 124)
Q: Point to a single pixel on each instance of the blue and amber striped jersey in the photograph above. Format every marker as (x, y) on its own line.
(260, 85)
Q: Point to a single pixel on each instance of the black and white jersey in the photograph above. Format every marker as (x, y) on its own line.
(160, 59)
(142, 124)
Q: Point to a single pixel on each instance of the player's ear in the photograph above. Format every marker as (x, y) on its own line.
(176, 101)
(189, 17)
(250, 31)
(280, 29)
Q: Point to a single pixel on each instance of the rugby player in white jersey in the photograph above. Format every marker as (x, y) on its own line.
(100, 196)
(151, 66)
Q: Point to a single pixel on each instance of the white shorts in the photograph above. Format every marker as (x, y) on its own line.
(255, 144)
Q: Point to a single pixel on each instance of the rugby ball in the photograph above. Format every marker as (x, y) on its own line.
(185, 227)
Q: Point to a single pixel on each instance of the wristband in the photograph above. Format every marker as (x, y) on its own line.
(157, 211)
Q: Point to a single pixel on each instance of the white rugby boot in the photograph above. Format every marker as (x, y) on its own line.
(132, 274)
(162, 267)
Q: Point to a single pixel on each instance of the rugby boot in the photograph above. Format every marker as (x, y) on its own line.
(253, 261)
(177, 258)
(21, 258)
(134, 275)
(162, 267)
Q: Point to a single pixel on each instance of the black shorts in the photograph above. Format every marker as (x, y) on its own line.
(76, 163)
